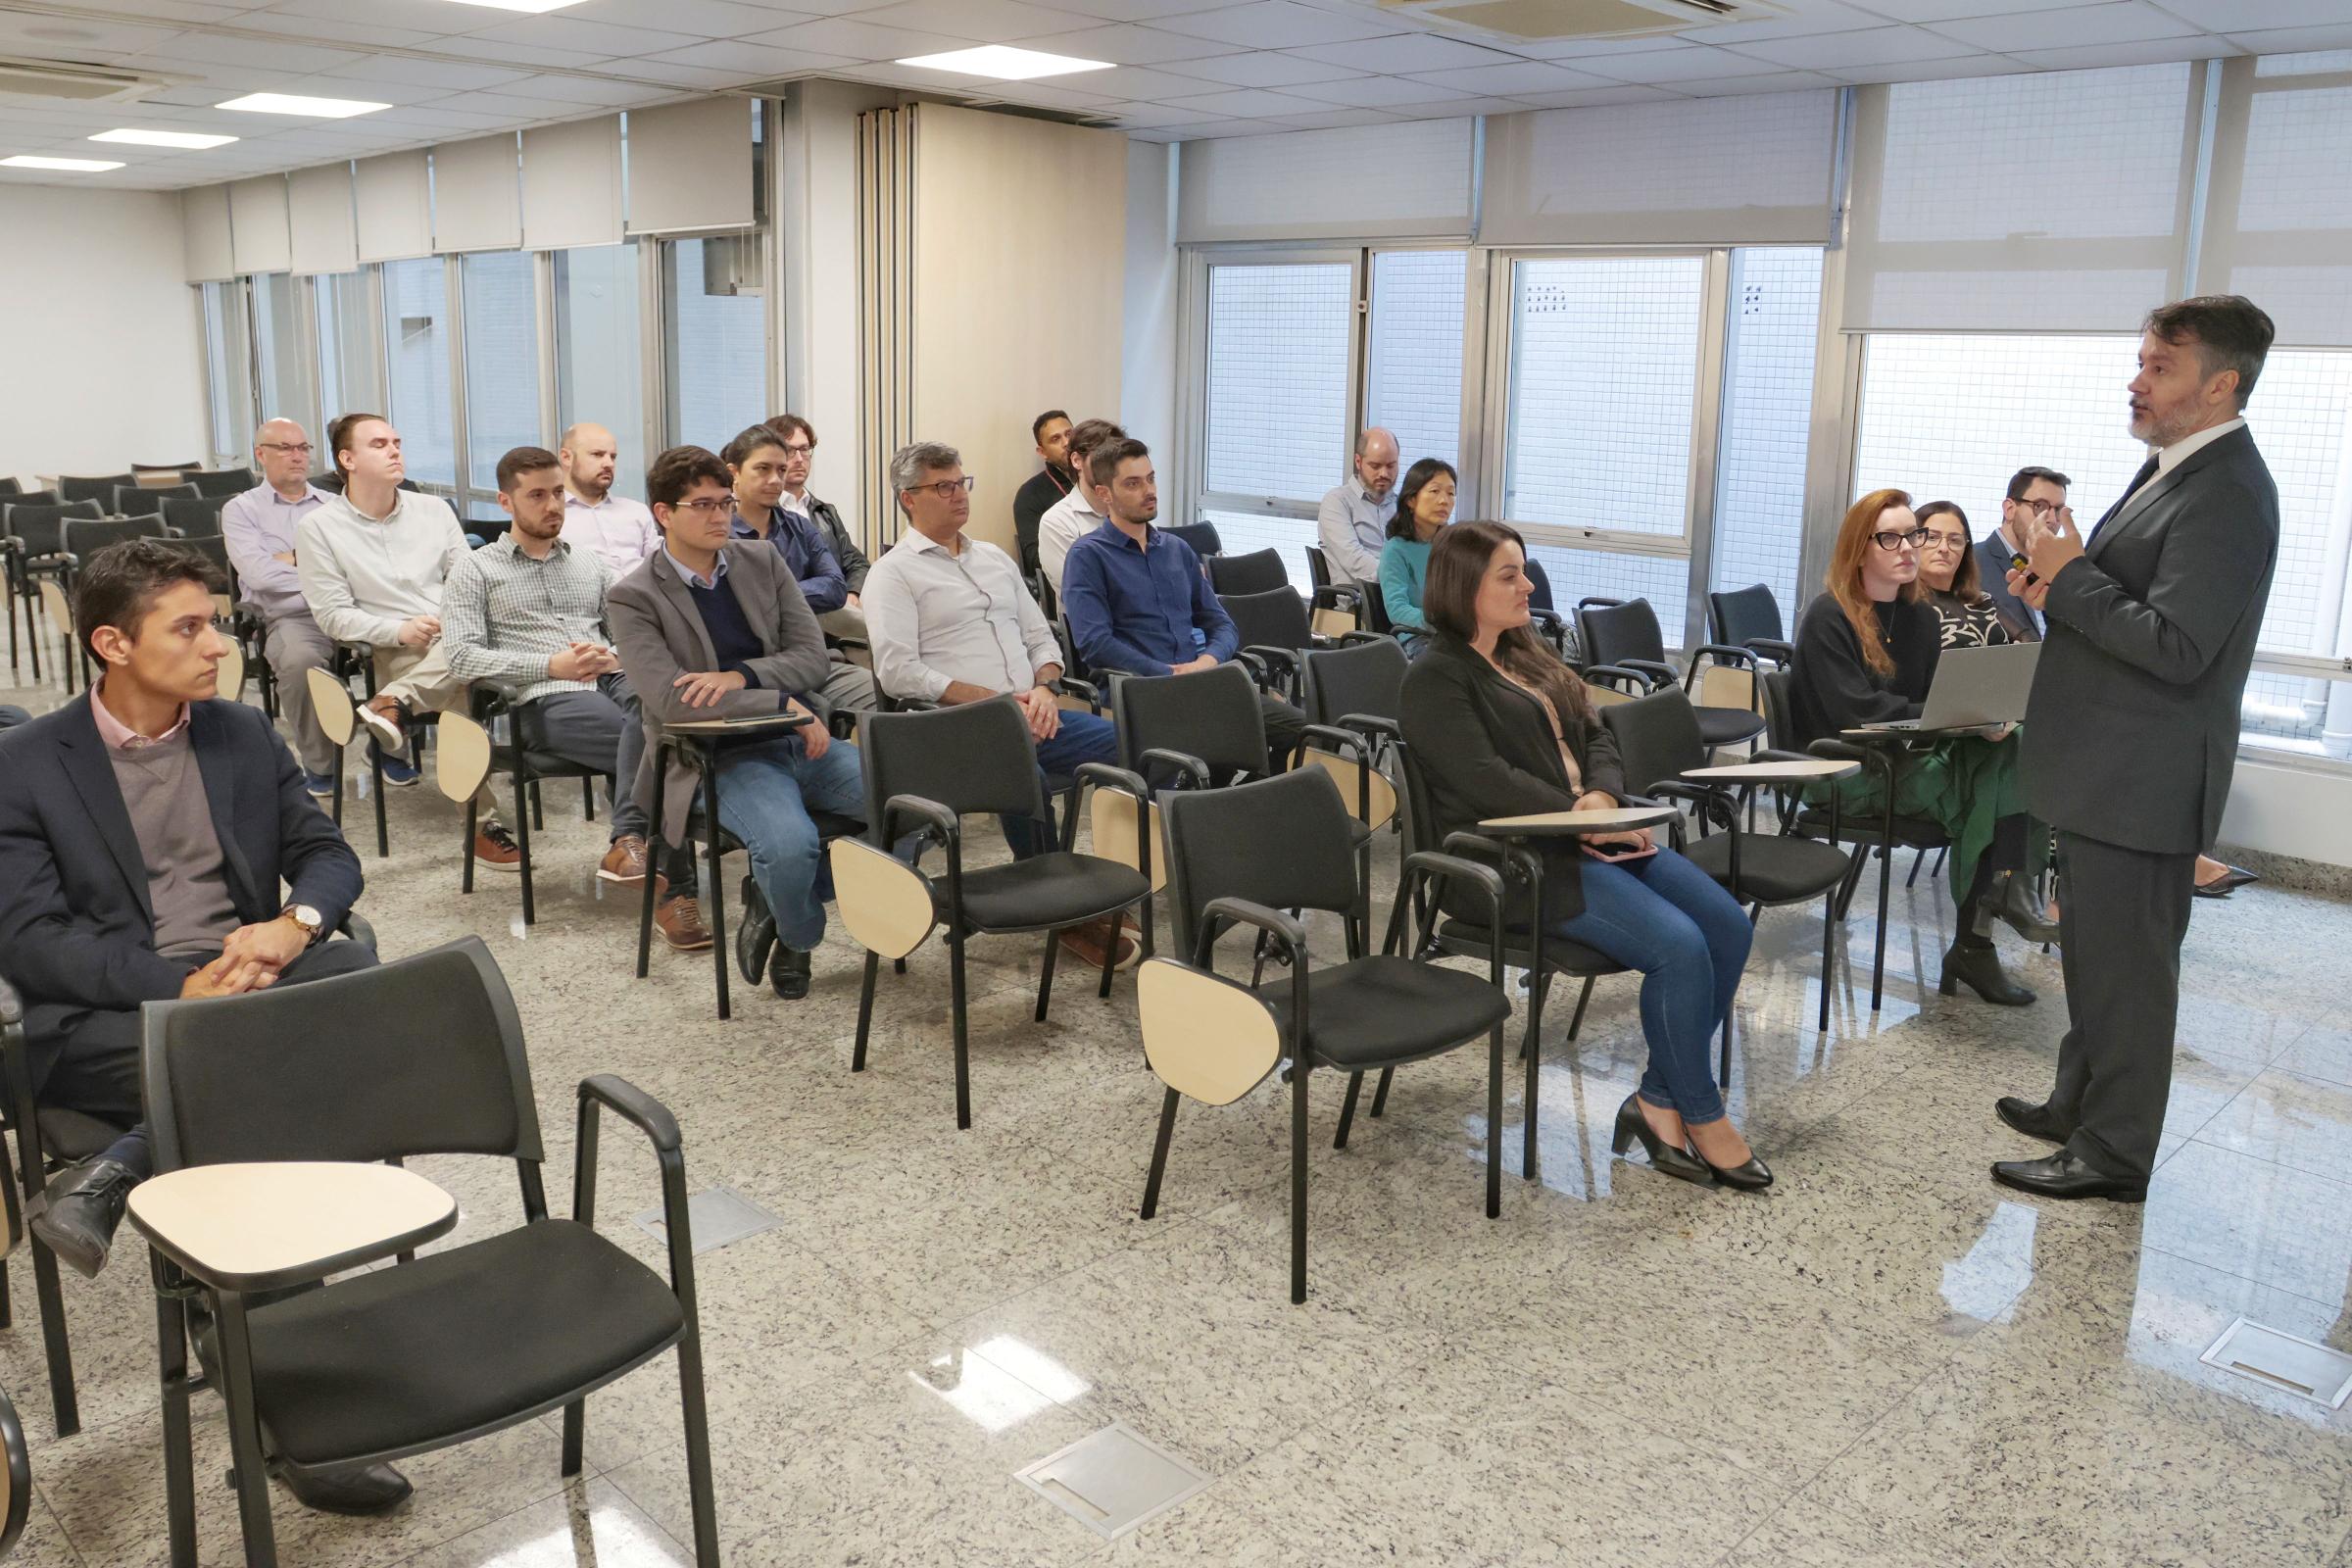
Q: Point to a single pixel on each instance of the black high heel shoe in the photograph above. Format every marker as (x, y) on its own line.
(1751, 1177)
(1664, 1158)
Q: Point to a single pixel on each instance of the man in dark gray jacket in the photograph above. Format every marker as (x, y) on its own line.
(2131, 732)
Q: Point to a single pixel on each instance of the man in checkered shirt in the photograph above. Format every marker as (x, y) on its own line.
(527, 612)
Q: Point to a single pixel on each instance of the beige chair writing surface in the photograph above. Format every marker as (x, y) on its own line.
(1207, 1037)
(330, 705)
(885, 902)
(1114, 820)
(462, 759)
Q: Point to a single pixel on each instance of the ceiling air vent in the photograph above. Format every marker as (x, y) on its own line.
(61, 79)
(1529, 20)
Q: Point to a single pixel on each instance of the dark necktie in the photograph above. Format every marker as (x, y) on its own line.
(2147, 472)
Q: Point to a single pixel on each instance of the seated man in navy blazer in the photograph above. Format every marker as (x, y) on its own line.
(145, 832)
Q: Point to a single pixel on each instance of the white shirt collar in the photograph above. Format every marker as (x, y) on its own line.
(2174, 456)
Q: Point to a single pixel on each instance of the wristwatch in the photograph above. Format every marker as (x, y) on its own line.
(312, 923)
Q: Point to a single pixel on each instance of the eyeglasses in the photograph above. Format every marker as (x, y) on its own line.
(706, 507)
(2041, 509)
(1889, 539)
(945, 489)
(796, 450)
(302, 447)
(1937, 539)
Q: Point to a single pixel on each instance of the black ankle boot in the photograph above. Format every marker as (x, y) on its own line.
(79, 1212)
(1975, 964)
(2013, 900)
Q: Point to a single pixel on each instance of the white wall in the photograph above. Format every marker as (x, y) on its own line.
(2302, 811)
(1147, 366)
(105, 364)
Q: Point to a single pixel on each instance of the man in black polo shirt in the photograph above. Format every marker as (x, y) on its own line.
(1051, 432)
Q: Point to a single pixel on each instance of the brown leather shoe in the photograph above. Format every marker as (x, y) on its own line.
(1086, 943)
(495, 848)
(680, 921)
(625, 861)
(386, 720)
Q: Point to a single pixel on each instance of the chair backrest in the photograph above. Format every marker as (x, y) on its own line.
(1283, 842)
(1275, 619)
(1363, 677)
(1611, 633)
(98, 487)
(212, 547)
(1780, 732)
(1538, 582)
(1211, 715)
(147, 500)
(1657, 737)
(973, 757)
(16, 1473)
(42, 525)
(26, 498)
(1744, 613)
(223, 481)
(426, 1057)
(1255, 572)
(1376, 610)
(1318, 567)
(85, 536)
(1201, 536)
(193, 514)
(166, 467)
(10, 485)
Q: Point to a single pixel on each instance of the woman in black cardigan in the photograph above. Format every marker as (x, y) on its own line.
(1503, 729)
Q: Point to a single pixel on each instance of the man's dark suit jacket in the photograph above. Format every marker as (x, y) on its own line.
(2131, 733)
(1992, 575)
(77, 931)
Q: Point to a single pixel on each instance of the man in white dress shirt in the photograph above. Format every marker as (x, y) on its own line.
(257, 528)
(1352, 523)
(1073, 516)
(620, 530)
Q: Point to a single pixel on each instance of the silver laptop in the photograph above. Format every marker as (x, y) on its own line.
(1975, 688)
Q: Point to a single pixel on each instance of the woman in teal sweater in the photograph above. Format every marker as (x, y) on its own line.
(1424, 505)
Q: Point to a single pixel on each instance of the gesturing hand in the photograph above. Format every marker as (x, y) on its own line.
(2050, 550)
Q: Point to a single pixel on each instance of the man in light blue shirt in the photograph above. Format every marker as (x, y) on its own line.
(257, 529)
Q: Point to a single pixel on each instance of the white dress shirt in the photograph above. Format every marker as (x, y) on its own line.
(1352, 529)
(364, 577)
(1065, 522)
(620, 530)
(257, 527)
(2170, 458)
(934, 616)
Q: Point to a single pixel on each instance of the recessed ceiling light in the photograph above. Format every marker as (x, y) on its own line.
(282, 102)
(533, 7)
(1004, 63)
(78, 166)
(165, 138)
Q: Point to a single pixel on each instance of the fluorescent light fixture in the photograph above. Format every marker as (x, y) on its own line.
(1004, 63)
(193, 139)
(532, 7)
(280, 103)
(76, 166)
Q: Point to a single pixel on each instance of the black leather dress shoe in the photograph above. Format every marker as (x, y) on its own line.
(755, 934)
(2065, 1175)
(2034, 1121)
(2228, 882)
(788, 972)
(1980, 969)
(80, 1210)
(356, 1488)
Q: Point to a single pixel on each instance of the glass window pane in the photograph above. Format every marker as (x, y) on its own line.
(1767, 418)
(283, 375)
(228, 369)
(1241, 532)
(1604, 366)
(1415, 353)
(416, 333)
(598, 356)
(718, 321)
(502, 365)
(1278, 379)
(346, 360)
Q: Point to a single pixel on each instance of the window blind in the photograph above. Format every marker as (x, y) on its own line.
(203, 234)
(477, 195)
(256, 225)
(690, 167)
(572, 184)
(325, 238)
(1406, 180)
(2279, 216)
(393, 198)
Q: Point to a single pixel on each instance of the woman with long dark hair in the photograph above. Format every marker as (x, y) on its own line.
(1501, 727)
(1424, 505)
(1866, 653)
(1947, 571)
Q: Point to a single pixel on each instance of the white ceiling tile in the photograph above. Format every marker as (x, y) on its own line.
(587, 92)
(1265, 69)
(2154, 50)
(560, 32)
(368, 86)
(1594, 97)
(735, 58)
(2293, 40)
(1276, 25)
(1676, 65)
(1408, 51)
(524, 56)
(2067, 26)
(1257, 104)
(435, 17)
(78, 37)
(1137, 82)
(250, 54)
(1340, 119)
(1376, 92)
(1810, 16)
(2253, 16)
(1125, 10)
(861, 41)
(1515, 80)
(1127, 44)
(989, 20)
(1585, 48)
(1212, 128)
(707, 18)
(449, 76)
(1051, 95)
(1744, 86)
(435, 116)
(1932, 10)
(1142, 117)
(1930, 70)
(1876, 46)
(1466, 108)
(1158, 135)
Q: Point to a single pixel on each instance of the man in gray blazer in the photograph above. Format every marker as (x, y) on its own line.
(708, 632)
(2131, 732)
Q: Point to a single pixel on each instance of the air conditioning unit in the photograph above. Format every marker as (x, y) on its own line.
(1530, 21)
(734, 264)
(67, 79)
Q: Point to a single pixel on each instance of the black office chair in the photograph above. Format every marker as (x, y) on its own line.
(927, 771)
(32, 534)
(1624, 633)
(147, 500)
(1201, 536)
(84, 537)
(1749, 618)
(181, 469)
(466, 751)
(428, 1059)
(1544, 611)
(99, 487)
(1342, 597)
(1257, 571)
(222, 482)
(187, 515)
(10, 485)
(1659, 744)
(1241, 856)
(1275, 634)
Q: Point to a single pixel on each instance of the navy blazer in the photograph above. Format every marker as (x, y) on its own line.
(76, 929)
(1992, 575)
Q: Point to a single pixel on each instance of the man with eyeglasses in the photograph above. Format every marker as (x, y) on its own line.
(1352, 522)
(799, 461)
(257, 528)
(2035, 496)
(761, 467)
(714, 629)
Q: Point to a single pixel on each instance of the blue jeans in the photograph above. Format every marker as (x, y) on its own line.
(766, 791)
(1082, 738)
(1690, 939)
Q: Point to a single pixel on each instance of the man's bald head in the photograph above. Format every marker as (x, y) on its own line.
(590, 455)
(1377, 457)
(282, 452)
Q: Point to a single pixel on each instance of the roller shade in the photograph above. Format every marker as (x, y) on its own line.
(2279, 216)
(477, 195)
(393, 196)
(325, 238)
(2056, 201)
(203, 234)
(1403, 181)
(690, 167)
(1741, 170)
(572, 184)
(256, 225)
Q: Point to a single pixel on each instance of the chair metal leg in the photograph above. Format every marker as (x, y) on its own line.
(474, 812)
(1576, 1019)
(1160, 1153)
(522, 842)
(1723, 1072)
(1045, 976)
(865, 1010)
(700, 1495)
(1110, 957)
(64, 1409)
(1828, 936)
(1298, 1076)
(655, 847)
(1938, 870)
(588, 797)
(179, 1459)
(338, 807)
(1494, 1119)
(244, 1430)
(963, 1063)
(1918, 858)
(1355, 1086)
(1379, 1091)
(1878, 968)
(714, 886)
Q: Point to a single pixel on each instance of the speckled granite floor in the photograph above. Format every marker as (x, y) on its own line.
(1886, 1361)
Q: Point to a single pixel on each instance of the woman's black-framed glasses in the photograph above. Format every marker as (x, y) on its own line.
(1889, 539)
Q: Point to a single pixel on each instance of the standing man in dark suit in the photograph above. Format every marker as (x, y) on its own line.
(2131, 732)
